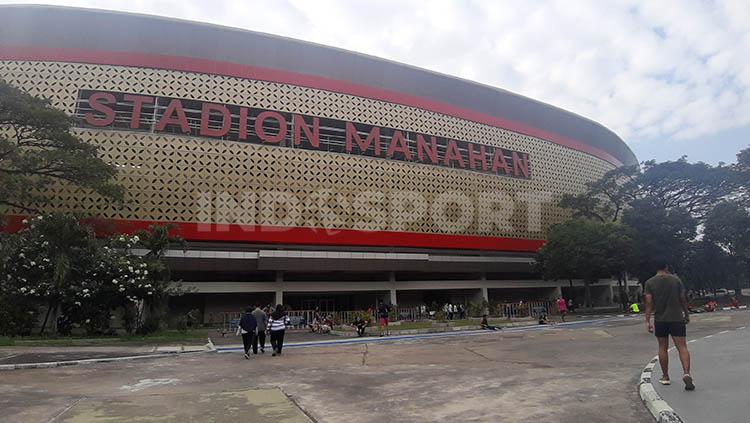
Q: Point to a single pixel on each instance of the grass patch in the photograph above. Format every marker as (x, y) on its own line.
(6, 341)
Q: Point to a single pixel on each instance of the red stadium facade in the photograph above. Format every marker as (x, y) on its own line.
(304, 174)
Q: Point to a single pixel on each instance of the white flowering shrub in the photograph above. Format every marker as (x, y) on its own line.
(57, 262)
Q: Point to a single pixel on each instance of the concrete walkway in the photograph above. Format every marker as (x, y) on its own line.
(721, 370)
(249, 405)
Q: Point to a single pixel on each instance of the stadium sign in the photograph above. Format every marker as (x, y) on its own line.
(158, 114)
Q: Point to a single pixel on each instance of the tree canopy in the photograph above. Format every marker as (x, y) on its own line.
(37, 147)
(693, 187)
(585, 249)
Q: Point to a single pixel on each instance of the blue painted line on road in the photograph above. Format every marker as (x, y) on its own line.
(396, 338)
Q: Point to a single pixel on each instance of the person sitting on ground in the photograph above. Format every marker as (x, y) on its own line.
(360, 324)
(733, 303)
(543, 319)
(485, 325)
(710, 306)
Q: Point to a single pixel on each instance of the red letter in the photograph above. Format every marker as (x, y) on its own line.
(474, 156)
(452, 153)
(498, 162)
(243, 124)
(109, 113)
(351, 134)
(174, 108)
(398, 143)
(312, 135)
(273, 139)
(432, 153)
(226, 120)
(138, 102)
(521, 164)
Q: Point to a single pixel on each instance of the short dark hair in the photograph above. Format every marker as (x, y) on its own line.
(661, 263)
(248, 309)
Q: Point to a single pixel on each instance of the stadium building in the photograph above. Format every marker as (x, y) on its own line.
(306, 174)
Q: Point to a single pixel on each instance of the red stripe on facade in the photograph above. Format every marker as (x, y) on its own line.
(311, 236)
(206, 66)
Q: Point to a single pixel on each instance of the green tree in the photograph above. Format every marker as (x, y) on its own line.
(692, 187)
(707, 267)
(728, 226)
(156, 241)
(606, 198)
(38, 147)
(585, 249)
(57, 262)
(658, 232)
(743, 169)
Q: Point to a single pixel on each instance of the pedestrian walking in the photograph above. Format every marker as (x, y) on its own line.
(247, 329)
(562, 307)
(261, 318)
(665, 298)
(571, 305)
(277, 325)
(383, 310)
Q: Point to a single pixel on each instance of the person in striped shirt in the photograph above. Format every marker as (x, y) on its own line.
(277, 325)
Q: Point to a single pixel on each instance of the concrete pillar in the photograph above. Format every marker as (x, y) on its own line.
(279, 287)
(485, 294)
(556, 292)
(392, 283)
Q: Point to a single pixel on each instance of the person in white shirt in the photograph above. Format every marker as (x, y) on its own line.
(277, 325)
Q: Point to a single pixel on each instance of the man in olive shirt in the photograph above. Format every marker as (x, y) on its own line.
(665, 296)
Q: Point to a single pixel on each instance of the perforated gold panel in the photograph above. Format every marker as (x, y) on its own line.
(170, 178)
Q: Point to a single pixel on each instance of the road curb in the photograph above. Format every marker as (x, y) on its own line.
(659, 409)
(53, 364)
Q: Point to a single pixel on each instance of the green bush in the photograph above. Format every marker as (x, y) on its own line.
(362, 315)
(477, 309)
(17, 317)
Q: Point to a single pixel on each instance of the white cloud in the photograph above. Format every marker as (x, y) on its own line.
(668, 70)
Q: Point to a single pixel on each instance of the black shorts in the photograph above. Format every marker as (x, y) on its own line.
(664, 329)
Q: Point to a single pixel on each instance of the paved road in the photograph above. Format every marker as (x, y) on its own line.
(584, 372)
(721, 369)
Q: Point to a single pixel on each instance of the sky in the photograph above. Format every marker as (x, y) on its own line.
(671, 78)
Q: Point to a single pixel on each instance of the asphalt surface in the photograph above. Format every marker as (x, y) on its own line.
(720, 366)
(41, 357)
(579, 373)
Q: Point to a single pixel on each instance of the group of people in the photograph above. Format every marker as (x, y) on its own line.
(321, 323)
(454, 311)
(256, 322)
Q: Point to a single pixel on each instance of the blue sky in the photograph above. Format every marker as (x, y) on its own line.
(671, 77)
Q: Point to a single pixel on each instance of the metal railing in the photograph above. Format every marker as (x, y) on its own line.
(523, 309)
(303, 318)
